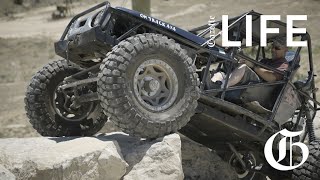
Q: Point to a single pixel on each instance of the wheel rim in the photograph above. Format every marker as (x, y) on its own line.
(155, 85)
(62, 105)
(249, 160)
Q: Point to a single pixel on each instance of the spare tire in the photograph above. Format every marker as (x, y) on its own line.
(148, 86)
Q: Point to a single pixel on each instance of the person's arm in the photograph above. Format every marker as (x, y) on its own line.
(266, 74)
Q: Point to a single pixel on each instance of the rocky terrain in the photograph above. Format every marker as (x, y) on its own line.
(109, 156)
(27, 34)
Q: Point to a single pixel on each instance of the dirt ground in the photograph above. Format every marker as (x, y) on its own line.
(26, 41)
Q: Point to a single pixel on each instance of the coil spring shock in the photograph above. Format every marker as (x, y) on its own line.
(310, 128)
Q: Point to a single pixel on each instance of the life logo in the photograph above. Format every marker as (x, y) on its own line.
(283, 149)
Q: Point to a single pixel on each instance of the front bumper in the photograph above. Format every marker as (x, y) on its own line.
(86, 36)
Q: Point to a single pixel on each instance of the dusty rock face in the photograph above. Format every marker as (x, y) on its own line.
(6, 174)
(110, 156)
(200, 163)
(159, 159)
(109, 127)
(62, 158)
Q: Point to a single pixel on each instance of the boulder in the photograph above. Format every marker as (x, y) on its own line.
(109, 127)
(6, 174)
(110, 156)
(62, 158)
(200, 162)
(316, 122)
(158, 159)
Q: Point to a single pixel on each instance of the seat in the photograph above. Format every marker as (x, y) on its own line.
(290, 100)
(270, 93)
(305, 84)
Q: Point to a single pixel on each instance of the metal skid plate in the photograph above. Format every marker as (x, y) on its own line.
(86, 45)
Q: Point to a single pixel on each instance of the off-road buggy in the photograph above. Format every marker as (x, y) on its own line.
(149, 78)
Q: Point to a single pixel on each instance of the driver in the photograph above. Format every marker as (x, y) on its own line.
(249, 72)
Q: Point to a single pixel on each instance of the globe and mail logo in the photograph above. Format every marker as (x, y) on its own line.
(283, 150)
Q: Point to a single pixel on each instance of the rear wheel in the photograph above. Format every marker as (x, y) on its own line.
(50, 109)
(250, 160)
(309, 170)
(148, 86)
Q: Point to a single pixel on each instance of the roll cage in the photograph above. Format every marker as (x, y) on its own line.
(237, 26)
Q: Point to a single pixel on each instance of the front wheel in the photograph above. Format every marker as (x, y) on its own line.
(50, 109)
(148, 86)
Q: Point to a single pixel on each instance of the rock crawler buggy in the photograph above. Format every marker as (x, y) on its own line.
(149, 78)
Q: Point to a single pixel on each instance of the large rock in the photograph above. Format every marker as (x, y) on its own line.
(317, 125)
(110, 156)
(5, 174)
(109, 127)
(199, 162)
(159, 159)
(62, 158)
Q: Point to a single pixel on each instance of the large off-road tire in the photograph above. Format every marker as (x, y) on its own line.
(309, 170)
(46, 112)
(148, 86)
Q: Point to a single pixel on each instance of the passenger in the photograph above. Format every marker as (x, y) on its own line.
(249, 72)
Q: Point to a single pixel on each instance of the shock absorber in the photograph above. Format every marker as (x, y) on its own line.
(310, 128)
